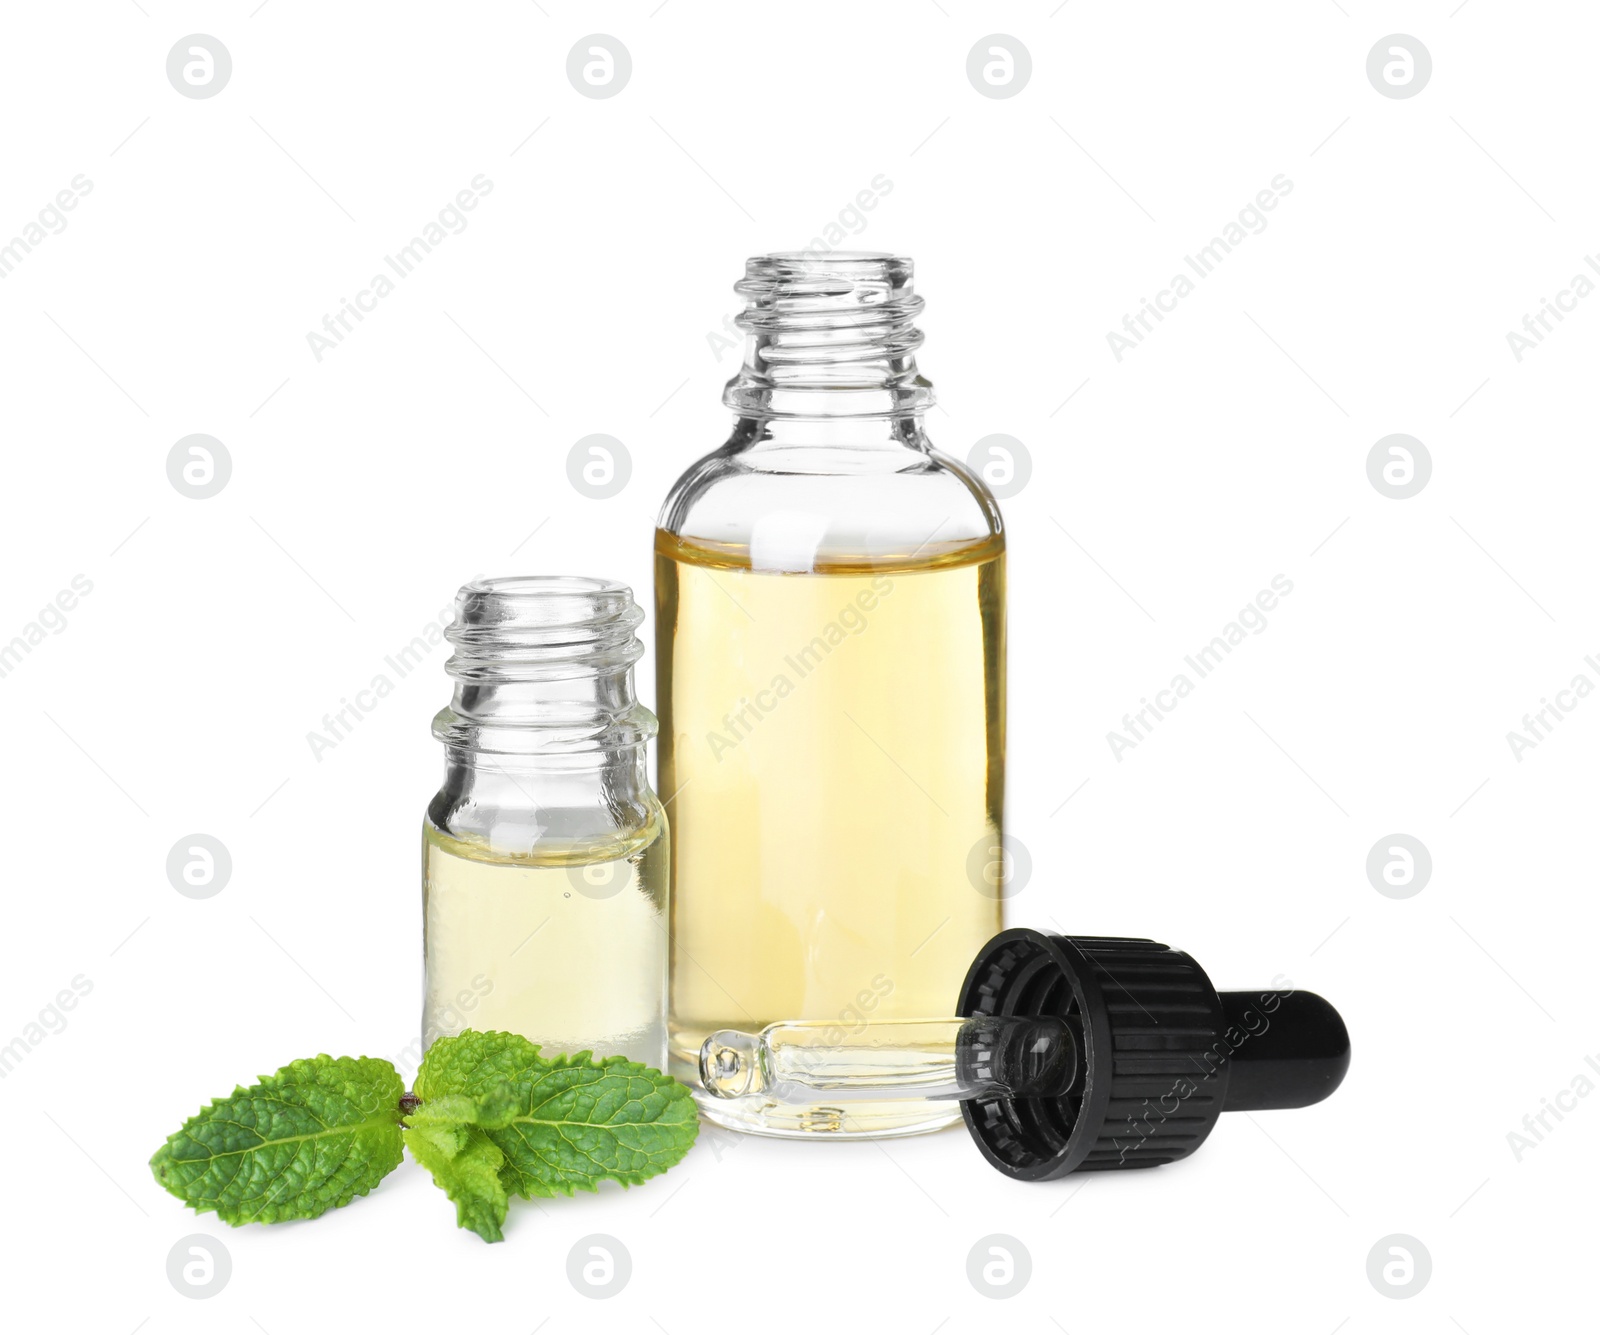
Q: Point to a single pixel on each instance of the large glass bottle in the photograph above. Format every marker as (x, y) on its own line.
(830, 596)
(544, 854)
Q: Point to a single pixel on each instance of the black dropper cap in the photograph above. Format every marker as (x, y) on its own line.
(1161, 1054)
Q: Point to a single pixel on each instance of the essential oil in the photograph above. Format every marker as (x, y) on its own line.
(830, 674)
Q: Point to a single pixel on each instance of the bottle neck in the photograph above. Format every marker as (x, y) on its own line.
(543, 668)
(543, 793)
(545, 741)
(820, 433)
(831, 338)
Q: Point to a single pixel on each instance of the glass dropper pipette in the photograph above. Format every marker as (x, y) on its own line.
(1069, 1053)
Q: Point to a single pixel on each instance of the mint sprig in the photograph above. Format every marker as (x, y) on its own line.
(491, 1118)
(561, 1123)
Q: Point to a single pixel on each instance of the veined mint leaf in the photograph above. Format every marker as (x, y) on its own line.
(465, 1165)
(473, 1062)
(313, 1136)
(575, 1120)
(584, 1121)
(492, 1109)
(447, 1136)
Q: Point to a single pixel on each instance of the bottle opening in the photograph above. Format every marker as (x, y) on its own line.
(543, 664)
(818, 261)
(832, 334)
(535, 627)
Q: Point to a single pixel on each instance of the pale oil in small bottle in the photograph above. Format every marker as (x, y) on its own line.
(545, 852)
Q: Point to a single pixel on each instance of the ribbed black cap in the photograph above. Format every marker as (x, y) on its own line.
(1152, 1074)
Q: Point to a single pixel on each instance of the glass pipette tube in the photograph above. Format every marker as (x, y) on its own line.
(797, 1061)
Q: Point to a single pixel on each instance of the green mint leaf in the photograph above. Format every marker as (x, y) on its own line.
(447, 1136)
(587, 1120)
(465, 1165)
(493, 1109)
(574, 1120)
(310, 1138)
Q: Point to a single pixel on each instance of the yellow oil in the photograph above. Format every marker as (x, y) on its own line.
(832, 752)
(564, 946)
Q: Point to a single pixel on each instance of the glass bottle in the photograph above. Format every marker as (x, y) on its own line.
(830, 659)
(544, 854)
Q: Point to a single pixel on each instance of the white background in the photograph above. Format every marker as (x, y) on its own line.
(1166, 490)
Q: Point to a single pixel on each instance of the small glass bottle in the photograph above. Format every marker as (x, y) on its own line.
(830, 672)
(544, 855)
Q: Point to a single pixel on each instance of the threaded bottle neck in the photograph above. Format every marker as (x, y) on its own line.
(830, 335)
(543, 664)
